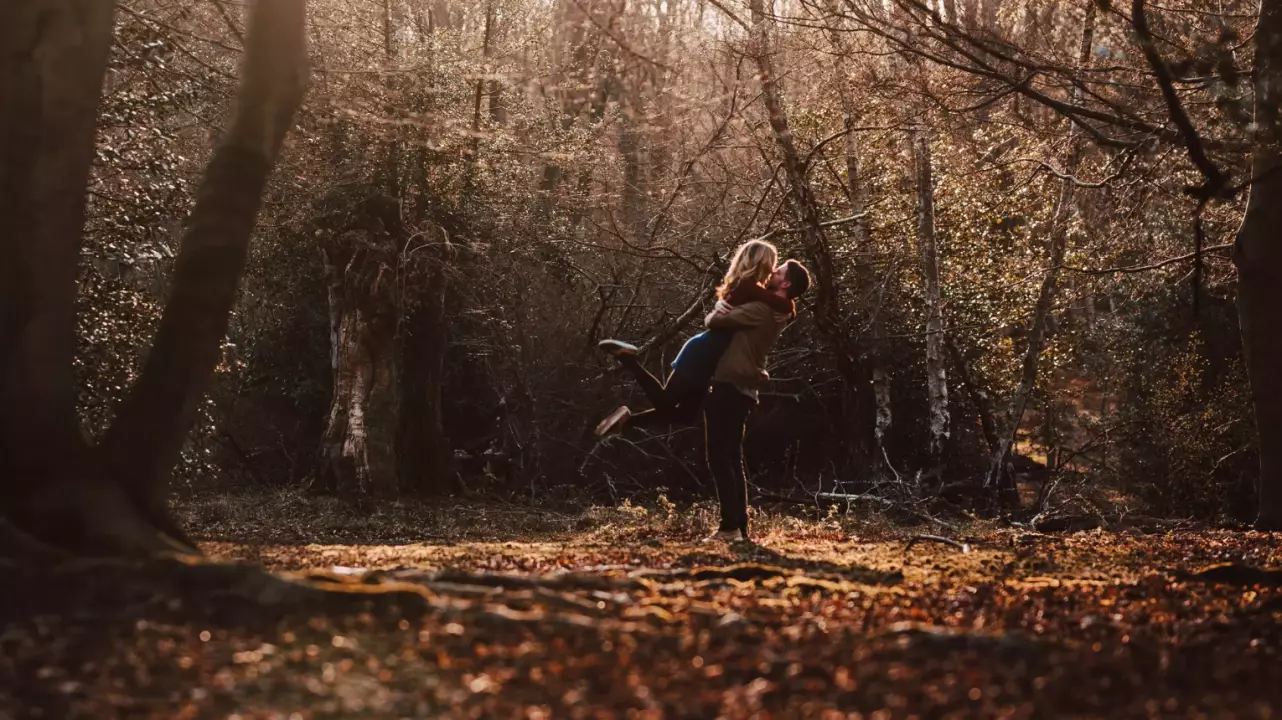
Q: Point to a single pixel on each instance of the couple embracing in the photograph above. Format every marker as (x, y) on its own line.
(754, 303)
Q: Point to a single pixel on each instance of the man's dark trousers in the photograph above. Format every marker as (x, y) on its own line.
(725, 417)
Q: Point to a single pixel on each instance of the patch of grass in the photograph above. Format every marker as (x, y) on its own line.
(295, 516)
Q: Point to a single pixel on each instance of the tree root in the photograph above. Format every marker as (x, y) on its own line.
(748, 572)
(1234, 574)
(948, 639)
(245, 596)
(90, 516)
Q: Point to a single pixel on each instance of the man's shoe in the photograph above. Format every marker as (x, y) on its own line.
(727, 536)
(618, 348)
(614, 421)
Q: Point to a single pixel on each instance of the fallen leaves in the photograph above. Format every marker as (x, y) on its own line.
(811, 628)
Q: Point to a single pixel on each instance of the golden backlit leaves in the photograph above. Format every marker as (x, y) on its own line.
(794, 628)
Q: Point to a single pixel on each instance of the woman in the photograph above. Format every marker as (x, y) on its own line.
(680, 398)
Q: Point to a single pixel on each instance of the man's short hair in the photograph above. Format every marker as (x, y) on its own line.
(798, 278)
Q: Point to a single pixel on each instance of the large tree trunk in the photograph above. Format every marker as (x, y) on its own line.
(999, 477)
(385, 430)
(357, 448)
(358, 457)
(422, 448)
(52, 60)
(936, 373)
(111, 500)
(1258, 256)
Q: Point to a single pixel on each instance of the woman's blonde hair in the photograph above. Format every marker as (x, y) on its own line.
(752, 262)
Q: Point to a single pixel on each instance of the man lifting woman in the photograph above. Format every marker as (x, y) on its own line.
(754, 303)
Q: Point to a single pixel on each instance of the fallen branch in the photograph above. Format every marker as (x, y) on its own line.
(965, 548)
(1077, 523)
(884, 502)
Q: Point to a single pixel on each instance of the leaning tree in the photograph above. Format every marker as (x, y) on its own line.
(60, 494)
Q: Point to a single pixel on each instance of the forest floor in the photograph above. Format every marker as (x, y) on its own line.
(497, 611)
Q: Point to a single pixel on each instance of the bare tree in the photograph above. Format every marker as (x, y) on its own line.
(857, 194)
(829, 316)
(928, 248)
(998, 476)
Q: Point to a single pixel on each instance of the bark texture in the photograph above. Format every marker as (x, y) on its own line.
(358, 445)
(928, 249)
(1258, 256)
(384, 435)
(55, 488)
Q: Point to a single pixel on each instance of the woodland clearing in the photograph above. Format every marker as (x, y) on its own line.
(621, 612)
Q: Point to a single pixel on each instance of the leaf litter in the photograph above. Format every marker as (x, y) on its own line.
(814, 620)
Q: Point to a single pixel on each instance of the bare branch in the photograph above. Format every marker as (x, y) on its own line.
(825, 224)
(1152, 266)
(619, 41)
(1215, 179)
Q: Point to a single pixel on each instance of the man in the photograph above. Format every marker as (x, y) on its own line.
(739, 376)
(679, 399)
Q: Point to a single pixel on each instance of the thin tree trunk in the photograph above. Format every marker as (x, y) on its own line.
(998, 475)
(479, 93)
(828, 314)
(826, 302)
(497, 110)
(1258, 256)
(977, 394)
(869, 402)
(633, 199)
(936, 373)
